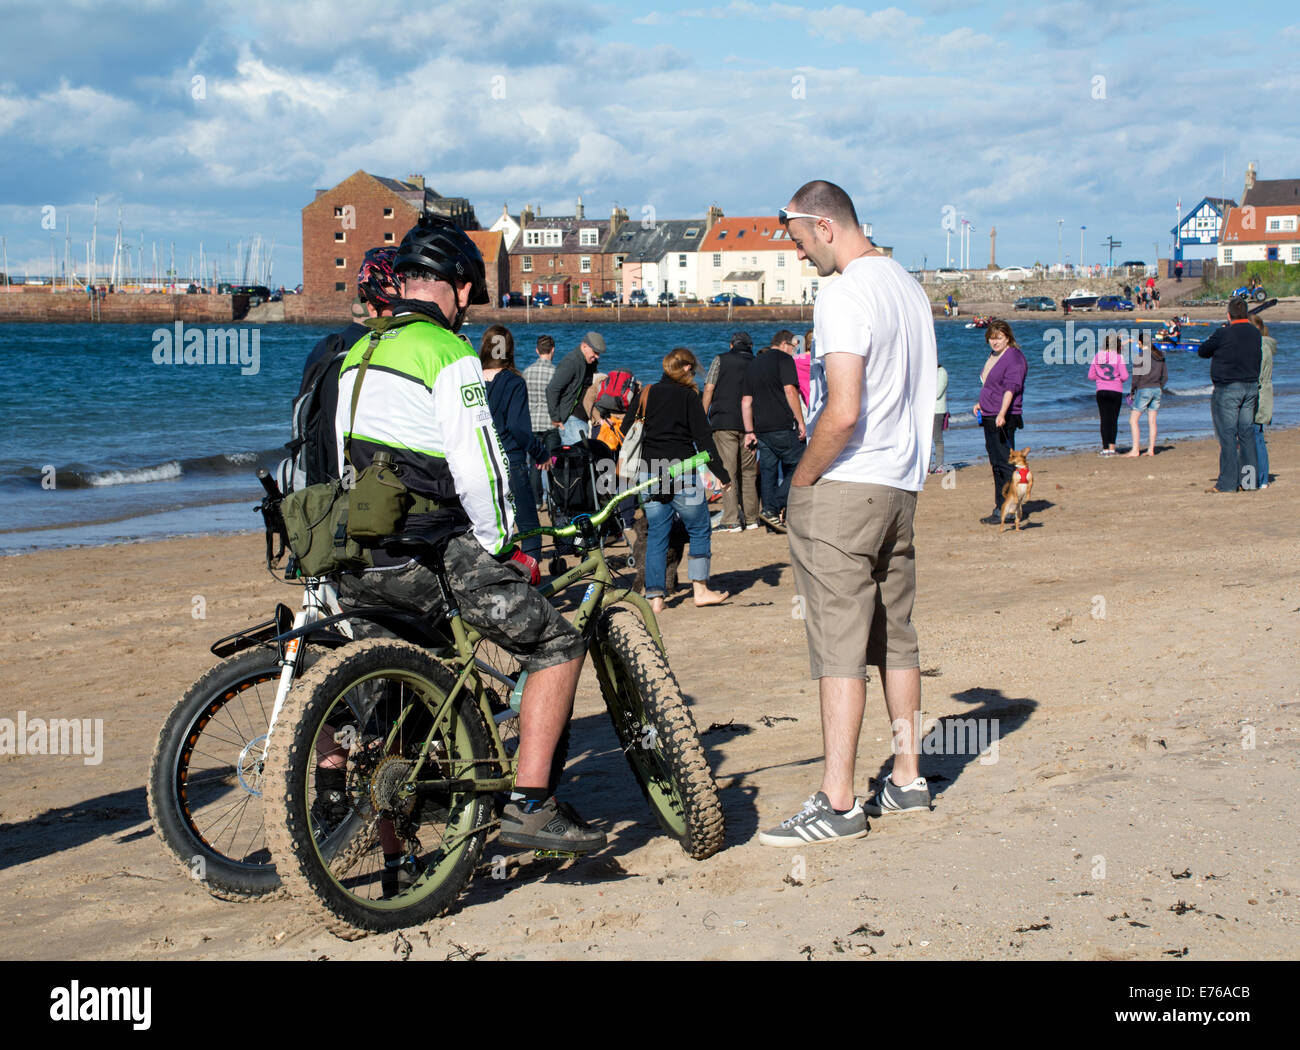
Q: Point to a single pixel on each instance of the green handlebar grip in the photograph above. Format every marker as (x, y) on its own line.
(697, 460)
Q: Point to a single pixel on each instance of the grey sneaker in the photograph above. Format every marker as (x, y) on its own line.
(817, 822)
(890, 798)
(751, 525)
(552, 825)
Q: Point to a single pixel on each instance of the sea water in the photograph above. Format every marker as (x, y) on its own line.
(102, 442)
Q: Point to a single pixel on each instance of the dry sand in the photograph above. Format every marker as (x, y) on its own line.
(1129, 642)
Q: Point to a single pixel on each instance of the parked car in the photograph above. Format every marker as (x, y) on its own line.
(608, 299)
(1035, 302)
(1135, 262)
(637, 297)
(1010, 273)
(1114, 302)
(947, 273)
(516, 299)
(722, 298)
(666, 299)
(541, 298)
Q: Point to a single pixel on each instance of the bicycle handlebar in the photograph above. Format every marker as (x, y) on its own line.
(598, 518)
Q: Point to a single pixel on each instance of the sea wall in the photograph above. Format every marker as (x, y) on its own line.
(42, 305)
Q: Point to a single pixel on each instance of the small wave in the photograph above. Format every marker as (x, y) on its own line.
(162, 472)
(1191, 391)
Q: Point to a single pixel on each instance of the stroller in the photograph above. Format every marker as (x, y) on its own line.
(583, 477)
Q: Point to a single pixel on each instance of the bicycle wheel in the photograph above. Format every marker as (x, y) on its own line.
(658, 733)
(205, 779)
(377, 700)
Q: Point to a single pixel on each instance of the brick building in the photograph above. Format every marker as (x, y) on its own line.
(363, 211)
(496, 261)
(566, 256)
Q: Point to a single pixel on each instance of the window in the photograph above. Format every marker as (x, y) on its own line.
(588, 237)
(338, 236)
(692, 233)
(780, 286)
(780, 258)
(681, 260)
(681, 287)
(552, 238)
(722, 235)
(338, 212)
(338, 263)
(1274, 225)
(584, 264)
(1295, 254)
(1227, 255)
(717, 286)
(388, 238)
(813, 288)
(1288, 223)
(528, 288)
(388, 213)
(618, 261)
(526, 263)
(586, 287)
(717, 258)
(340, 286)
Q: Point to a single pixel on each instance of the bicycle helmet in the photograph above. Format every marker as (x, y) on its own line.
(440, 246)
(377, 279)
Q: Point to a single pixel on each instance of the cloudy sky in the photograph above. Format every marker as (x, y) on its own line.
(215, 121)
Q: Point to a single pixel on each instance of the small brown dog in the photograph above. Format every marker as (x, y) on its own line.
(1017, 490)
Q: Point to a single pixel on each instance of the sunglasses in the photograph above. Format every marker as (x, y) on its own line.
(786, 216)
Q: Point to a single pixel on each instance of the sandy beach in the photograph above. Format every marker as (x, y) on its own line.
(1136, 644)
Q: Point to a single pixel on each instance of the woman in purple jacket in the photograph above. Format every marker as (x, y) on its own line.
(998, 409)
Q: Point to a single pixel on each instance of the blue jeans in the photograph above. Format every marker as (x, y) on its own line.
(691, 502)
(779, 452)
(574, 430)
(1261, 452)
(1232, 406)
(525, 506)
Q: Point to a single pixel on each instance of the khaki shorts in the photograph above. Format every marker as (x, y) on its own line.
(855, 569)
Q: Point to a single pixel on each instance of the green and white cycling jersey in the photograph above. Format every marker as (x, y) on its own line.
(423, 400)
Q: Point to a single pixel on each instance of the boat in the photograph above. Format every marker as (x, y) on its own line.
(1080, 299)
(1191, 345)
(981, 321)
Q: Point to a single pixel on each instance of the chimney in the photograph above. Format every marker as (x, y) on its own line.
(714, 214)
(526, 216)
(319, 192)
(416, 181)
(616, 219)
(578, 212)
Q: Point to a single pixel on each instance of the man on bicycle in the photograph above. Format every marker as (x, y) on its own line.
(423, 400)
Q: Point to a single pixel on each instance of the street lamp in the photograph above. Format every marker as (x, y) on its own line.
(1060, 259)
(1081, 229)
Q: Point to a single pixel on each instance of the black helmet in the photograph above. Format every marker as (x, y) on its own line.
(439, 245)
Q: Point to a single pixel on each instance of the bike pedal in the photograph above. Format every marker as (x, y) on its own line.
(556, 854)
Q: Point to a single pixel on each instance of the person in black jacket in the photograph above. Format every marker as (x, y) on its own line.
(675, 428)
(507, 396)
(723, 389)
(1236, 352)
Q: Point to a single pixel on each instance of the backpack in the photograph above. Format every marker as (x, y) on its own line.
(312, 445)
(617, 392)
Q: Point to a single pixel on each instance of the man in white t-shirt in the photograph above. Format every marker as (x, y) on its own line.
(852, 500)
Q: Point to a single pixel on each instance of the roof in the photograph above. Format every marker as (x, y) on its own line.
(652, 243)
(1235, 232)
(1269, 193)
(747, 233)
(744, 275)
(489, 243)
(1220, 204)
(568, 245)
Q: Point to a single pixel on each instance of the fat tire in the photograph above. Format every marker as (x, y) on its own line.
(626, 638)
(288, 830)
(225, 877)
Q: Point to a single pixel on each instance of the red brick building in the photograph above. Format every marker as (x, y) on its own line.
(363, 211)
(492, 245)
(566, 256)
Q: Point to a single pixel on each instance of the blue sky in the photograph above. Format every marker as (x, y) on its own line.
(1015, 115)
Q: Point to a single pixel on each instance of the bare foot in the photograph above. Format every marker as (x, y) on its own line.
(657, 606)
(1150, 452)
(1132, 455)
(708, 597)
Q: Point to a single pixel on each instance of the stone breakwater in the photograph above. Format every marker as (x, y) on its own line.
(45, 306)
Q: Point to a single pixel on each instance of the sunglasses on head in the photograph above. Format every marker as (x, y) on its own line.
(786, 216)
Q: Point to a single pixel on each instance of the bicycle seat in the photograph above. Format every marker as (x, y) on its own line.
(421, 543)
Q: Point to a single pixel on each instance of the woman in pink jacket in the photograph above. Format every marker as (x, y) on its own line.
(1110, 374)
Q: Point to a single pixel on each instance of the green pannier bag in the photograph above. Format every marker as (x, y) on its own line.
(316, 519)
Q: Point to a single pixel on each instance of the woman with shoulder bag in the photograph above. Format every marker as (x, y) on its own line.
(674, 428)
(998, 409)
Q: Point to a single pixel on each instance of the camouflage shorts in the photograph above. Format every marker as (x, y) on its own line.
(494, 597)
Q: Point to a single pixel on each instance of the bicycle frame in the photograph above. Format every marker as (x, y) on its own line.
(467, 639)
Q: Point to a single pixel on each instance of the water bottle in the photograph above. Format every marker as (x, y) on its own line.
(517, 693)
(979, 416)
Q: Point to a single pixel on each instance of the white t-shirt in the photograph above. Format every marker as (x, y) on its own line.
(877, 310)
